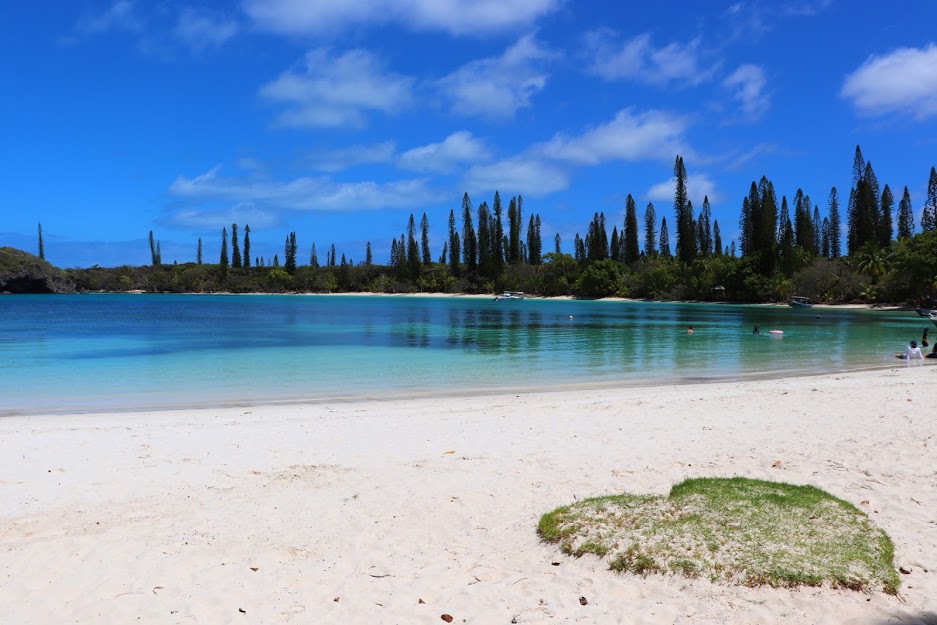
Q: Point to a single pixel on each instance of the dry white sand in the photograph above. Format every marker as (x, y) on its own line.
(402, 511)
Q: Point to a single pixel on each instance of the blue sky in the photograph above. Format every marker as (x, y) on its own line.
(338, 118)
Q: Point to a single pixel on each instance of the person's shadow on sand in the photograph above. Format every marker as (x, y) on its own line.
(924, 619)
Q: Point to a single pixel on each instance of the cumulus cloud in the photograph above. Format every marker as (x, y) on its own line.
(497, 87)
(305, 194)
(240, 213)
(329, 90)
(201, 29)
(748, 86)
(698, 186)
(519, 174)
(638, 59)
(353, 155)
(120, 16)
(903, 81)
(457, 17)
(443, 157)
(629, 136)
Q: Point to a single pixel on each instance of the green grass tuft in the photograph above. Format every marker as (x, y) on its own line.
(736, 530)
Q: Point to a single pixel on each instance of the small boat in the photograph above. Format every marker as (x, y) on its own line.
(510, 295)
(800, 302)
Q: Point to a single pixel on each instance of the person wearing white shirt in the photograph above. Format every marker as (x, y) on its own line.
(913, 352)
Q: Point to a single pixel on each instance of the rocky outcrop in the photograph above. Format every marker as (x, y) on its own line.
(21, 272)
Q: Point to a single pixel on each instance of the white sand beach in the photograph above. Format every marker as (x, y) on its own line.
(401, 511)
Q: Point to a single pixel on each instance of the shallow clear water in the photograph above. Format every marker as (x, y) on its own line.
(88, 352)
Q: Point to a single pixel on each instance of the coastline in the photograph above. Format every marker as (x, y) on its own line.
(164, 515)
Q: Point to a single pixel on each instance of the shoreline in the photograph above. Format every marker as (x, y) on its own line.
(401, 510)
(491, 296)
(457, 394)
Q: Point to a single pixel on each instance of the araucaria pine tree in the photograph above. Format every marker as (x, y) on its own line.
(198, 252)
(885, 222)
(223, 260)
(424, 240)
(717, 239)
(630, 235)
(469, 242)
(650, 230)
(413, 250)
(289, 253)
(905, 216)
(454, 247)
(686, 242)
(664, 239)
(247, 245)
(235, 248)
(153, 258)
(835, 227)
(929, 216)
(706, 233)
(368, 258)
(42, 247)
(557, 247)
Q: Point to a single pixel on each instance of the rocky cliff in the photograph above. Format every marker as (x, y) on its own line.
(21, 272)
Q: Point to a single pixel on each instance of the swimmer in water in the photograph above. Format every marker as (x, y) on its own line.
(689, 330)
(756, 330)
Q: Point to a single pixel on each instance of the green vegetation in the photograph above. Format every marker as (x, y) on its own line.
(735, 530)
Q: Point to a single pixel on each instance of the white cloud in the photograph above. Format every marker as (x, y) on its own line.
(200, 29)
(120, 16)
(638, 59)
(698, 186)
(903, 81)
(497, 87)
(748, 85)
(457, 17)
(343, 158)
(518, 174)
(329, 90)
(241, 213)
(629, 136)
(456, 149)
(305, 194)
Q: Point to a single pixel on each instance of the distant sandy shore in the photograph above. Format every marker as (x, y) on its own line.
(400, 511)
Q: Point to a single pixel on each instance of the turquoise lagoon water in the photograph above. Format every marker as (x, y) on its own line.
(94, 352)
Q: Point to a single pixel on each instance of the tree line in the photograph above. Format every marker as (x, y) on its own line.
(782, 247)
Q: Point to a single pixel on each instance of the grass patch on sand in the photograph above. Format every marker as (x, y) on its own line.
(735, 530)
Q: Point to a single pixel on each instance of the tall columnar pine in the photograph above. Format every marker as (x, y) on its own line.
(159, 254)
(368, 257)
(42, 247)
(615, 251)
(817, 231)
(223, 260)
(631, 248)
(314, 258)
(484, 244)
(332, 256)
(289, 253)
(235, 248)
(745, 223)
(276, 260)
(717, 239)
(929, 216)
(497, 235)
(650, 230)
(469, 242)
(597, 239)
(454, 248)
(532, 240)
(445, 254)
(905, 216)
(731, 251)
(835, 227)
(580, 248)
(514, 233)
(826, 238)
(247, 245)
(394, 253)
(706, 236)
(424, 240)
(413, 250)
(152, 250)
(786, 239)
(803, 223)
(198, 252)
(664, 239)
(536, 250)
(557, 247)
(683, 212)
(885, 226)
